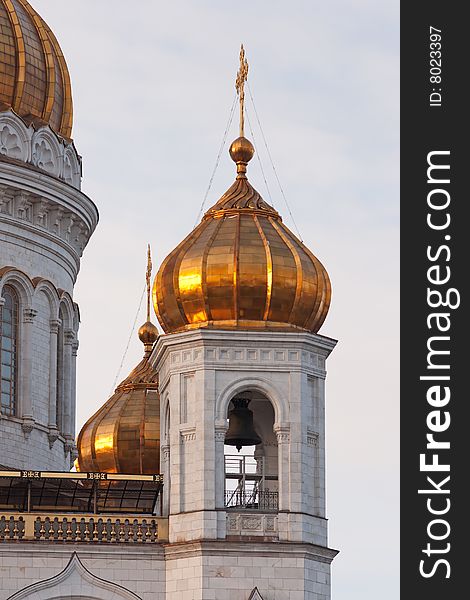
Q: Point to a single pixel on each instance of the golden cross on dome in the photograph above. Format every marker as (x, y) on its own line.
(242, 76)
(148, 275)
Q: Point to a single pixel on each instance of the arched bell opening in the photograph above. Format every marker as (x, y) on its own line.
(251, 454)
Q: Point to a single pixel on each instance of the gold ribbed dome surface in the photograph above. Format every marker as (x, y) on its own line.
(124, 435)
(241, 267)
(34, 79)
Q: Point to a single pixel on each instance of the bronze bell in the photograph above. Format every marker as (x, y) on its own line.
(241, 431)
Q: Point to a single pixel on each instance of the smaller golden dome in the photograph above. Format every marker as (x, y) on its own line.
(123, 436)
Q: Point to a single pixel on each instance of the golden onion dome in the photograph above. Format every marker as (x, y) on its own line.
(124, 435)
(34, 79)
(241, 268)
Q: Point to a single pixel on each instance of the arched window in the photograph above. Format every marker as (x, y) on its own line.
(60, 373)
(8, 350)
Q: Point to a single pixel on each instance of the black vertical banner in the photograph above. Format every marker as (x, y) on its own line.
(435, 269)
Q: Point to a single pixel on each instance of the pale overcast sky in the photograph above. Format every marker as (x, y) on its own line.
(153, 83)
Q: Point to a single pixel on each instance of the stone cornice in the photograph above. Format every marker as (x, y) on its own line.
(216, 337)
(261, 549)
(49, 188)
(48, 209)
(241, 350)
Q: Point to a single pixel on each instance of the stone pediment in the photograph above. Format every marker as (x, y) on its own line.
(75, 581)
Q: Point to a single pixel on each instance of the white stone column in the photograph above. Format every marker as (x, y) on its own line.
(53, 425)
(320, 483)
(220, 431)
(26, 367)
(283, 443)
(69, 339)
(73, 387)
(176, 448)
(165, 469)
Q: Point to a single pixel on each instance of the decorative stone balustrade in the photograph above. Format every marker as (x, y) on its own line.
(91, 529)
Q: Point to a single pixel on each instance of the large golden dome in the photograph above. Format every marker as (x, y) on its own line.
(242, 268)
(34, 80)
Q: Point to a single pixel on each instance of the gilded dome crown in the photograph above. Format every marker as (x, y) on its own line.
(34, 79)
(242, 268)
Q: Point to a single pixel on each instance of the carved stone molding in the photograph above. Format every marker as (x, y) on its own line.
(166, 452)
(53, 436)
(188, 434)
(220, 433)
(54, 325)
(270, 523)
(70, 337)
(69, 447)
(312, 438)
(232, 522)
(251, 524)
(14, 141)
(27, 426)
(23, 205)
(282, 434)
(42, 148)
(29, 314)
(45, 216)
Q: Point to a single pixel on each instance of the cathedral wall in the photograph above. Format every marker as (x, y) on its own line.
(198, 571)
(230, 571)
(35, 256)
(29, 438)
(45, 224)
(140, 570)
(33, 453)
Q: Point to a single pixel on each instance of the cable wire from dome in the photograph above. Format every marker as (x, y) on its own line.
(129, 340)
(222, 146)
(271, 201)
(272, 164)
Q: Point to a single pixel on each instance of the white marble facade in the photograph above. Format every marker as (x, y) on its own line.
(194, 571)
(45, 223)
(212, 553)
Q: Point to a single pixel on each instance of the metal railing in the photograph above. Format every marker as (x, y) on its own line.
(246, 484)
(252, 500)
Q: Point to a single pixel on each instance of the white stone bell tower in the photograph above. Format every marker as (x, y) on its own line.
(241, 365)
(279, 539)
